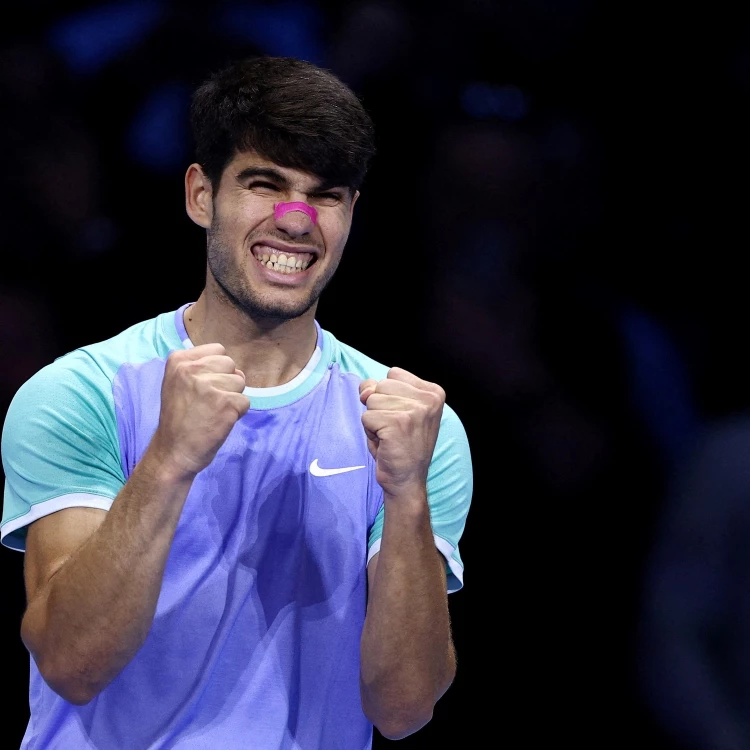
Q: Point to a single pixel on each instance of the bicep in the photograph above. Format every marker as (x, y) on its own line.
(52, 540)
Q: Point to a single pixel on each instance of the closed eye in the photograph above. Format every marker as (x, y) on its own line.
(327, 198)
(263, 185)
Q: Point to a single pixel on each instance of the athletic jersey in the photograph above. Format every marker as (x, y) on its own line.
(255, 639)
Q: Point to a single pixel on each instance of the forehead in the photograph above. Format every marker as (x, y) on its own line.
(249, 160)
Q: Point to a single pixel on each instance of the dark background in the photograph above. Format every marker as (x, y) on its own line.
(553, 229)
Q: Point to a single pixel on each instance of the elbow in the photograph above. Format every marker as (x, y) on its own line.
(395, 725)
(68, 686)
(397, 733)
(398, 716)
(73, 688)
(69, 683)
(399, 712)
(59, 673)
(73, 693)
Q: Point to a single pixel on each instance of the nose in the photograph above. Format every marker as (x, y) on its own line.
(295, 218)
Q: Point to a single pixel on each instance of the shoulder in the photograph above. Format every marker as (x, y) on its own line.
(351, 360)
(141, 342)
(85, 374)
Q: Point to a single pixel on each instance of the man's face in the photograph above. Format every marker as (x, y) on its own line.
(275, 268)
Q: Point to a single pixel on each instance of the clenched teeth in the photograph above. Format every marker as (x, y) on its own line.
(282, 262)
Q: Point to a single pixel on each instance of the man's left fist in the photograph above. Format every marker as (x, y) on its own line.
(401, 423)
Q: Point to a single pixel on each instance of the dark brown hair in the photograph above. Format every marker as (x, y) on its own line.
(289, 111)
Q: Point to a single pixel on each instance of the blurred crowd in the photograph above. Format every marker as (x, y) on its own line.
(541, 232)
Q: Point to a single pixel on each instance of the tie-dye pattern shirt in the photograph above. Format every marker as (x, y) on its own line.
(255, 639)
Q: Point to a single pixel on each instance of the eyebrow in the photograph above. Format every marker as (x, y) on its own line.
(274, 175)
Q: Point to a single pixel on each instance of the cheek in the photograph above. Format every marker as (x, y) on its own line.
(235, 233)
(243, 216)
(335, 234)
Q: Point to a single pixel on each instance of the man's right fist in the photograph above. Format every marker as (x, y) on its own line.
(201, 399)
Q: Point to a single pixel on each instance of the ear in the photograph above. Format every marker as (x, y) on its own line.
(354, 200)
(198, 196)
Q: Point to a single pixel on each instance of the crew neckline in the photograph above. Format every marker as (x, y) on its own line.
(278, 395)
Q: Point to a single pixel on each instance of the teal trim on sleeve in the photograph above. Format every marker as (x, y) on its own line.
(449, 491)
(450, 486)
(450, 476)
(59, 437)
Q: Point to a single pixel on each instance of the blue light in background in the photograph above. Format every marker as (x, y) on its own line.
(158, 137)
(660, 382)
(91, 38)
(291, 28)
(485, 101)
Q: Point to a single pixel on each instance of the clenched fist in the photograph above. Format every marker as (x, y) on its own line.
(201, 399)
(401, 422)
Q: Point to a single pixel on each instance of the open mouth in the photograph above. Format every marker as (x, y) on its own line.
(282, 262)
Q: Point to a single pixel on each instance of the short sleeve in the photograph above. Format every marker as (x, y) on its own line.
(60, 445)
(449, 489)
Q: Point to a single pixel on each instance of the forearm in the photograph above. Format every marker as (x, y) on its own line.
(94, 613)
(407, 657)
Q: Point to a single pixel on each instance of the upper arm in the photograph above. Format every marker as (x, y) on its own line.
(60, 448)
(52, 540)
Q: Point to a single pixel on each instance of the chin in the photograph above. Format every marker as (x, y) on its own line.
(275, 312)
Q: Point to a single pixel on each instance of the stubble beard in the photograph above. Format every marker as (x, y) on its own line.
(233, 284)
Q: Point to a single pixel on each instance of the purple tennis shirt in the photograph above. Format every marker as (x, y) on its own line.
(255, 640)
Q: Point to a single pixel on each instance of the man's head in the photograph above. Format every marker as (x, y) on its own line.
(273, 132)
(288, 111)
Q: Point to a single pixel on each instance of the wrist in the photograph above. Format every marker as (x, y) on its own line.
(164, 467)
(414, 492)
(407, 505)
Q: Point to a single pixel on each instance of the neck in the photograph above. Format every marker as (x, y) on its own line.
(268, 354)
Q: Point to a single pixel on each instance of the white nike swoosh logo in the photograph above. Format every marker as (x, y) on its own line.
(318, 471)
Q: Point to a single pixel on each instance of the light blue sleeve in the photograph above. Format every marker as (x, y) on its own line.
(449, 489)
(60, 445)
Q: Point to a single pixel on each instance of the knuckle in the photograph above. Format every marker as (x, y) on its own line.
(174, 359)
(180, 369)
(203, 386)
(437, 398)
(402, 418)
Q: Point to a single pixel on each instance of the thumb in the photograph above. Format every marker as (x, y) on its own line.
(367, 387)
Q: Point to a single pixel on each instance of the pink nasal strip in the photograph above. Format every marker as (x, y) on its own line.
(284, 208)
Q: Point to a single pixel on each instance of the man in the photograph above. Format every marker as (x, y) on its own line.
(240, 532)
